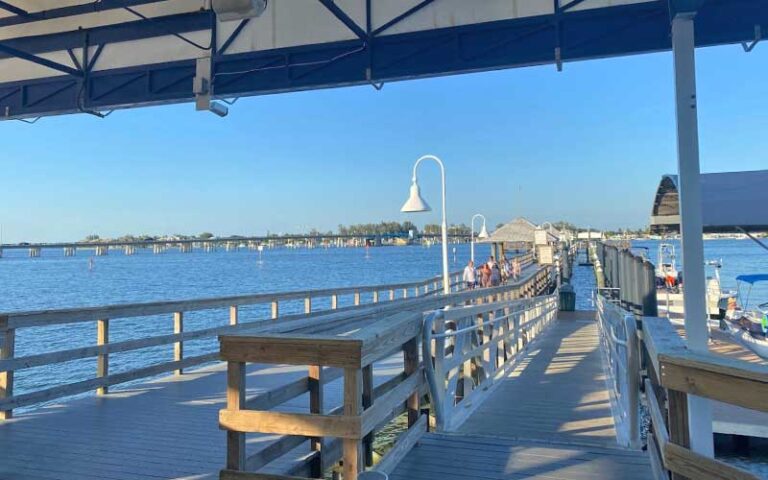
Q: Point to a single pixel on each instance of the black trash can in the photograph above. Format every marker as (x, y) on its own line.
(567, 298)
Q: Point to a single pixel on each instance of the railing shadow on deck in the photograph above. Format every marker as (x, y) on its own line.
(550, 394)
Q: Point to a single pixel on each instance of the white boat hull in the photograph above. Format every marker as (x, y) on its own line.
(759, 346)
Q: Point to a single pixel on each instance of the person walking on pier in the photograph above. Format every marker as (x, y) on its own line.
(516, 268)
(495, 275)
(485, 276)
(469, 275)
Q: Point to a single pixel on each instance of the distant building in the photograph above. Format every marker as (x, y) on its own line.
(591, 235)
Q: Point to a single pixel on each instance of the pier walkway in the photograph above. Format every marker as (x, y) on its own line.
(549, 418)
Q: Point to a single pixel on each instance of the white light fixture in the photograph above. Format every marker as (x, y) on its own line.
(483, 234)
(227, 10)
(417, 204)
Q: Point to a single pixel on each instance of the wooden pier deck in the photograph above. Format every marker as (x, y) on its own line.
(164, 429)
(549, 418)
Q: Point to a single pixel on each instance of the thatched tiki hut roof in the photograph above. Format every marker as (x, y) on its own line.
(519, 231)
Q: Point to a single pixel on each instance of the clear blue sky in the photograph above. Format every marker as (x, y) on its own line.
(587, 145)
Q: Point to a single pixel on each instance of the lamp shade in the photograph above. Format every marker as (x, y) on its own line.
(483, 232)
(415, 203)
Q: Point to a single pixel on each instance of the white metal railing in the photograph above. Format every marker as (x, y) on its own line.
(472, 347)
(618, 340)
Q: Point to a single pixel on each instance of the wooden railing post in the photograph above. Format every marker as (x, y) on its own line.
(308, 304)
(391, 294)
(677, 419)
(334, 301)
(411, 364)
(353, 406)
(375, 296)
(405, 293)
(275, 309)
(235, 401)
(102, 360)
(315, 382)
(233, 315)
(178, 345)
(7, 347)
(357, 297)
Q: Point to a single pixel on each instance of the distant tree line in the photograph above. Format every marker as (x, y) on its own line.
(381, 228)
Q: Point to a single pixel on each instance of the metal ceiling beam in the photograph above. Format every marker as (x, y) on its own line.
(402, 17)
(39, 60)
(122, 32)
(344, 18)
(13, 9)
(69, 11)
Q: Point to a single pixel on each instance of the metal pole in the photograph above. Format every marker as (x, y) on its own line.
(691, 223)
(446, 279)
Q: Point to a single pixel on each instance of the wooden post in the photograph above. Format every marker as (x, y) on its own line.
(334, 301)
(405, 293)
(353, 407)
(308, 304)
(411, 365)
(677, 419)
(178, 345)
(7, 347)
(357, 298)
(375, 296)
(391, 294)
(233, 315)
(367, 403)
(235, 401)
(275, 309)
(316, 406)
(102, 359)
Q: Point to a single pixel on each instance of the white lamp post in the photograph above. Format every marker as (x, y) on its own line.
(483, 234)
(417, 204)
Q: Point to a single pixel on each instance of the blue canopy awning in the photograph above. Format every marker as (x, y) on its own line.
(753, 278)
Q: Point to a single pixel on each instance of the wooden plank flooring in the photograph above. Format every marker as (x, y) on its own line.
(463, 457)
(556, 393)
(550, 418)
(165, 429)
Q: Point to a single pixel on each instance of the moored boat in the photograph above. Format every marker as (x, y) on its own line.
(748, 325)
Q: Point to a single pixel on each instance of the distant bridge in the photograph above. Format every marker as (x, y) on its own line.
(228, 243)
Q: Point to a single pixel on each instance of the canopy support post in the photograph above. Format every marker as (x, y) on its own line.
(691, 221)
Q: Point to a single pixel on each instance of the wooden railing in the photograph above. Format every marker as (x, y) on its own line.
(473, 346)
(103, 317)
(333, 346)
(675, 372)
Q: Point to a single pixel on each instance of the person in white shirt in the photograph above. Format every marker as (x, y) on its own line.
(469, 275)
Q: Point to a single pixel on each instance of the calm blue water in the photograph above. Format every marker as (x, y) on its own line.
(54, 281)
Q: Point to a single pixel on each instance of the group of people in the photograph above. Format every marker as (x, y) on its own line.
(491, 273)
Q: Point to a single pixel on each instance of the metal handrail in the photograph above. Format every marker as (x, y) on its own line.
(623, 361)
(449, 407)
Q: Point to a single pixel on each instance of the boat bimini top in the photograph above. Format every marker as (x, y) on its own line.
(753, 278)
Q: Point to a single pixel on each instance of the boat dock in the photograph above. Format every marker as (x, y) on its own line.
(501, 385)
